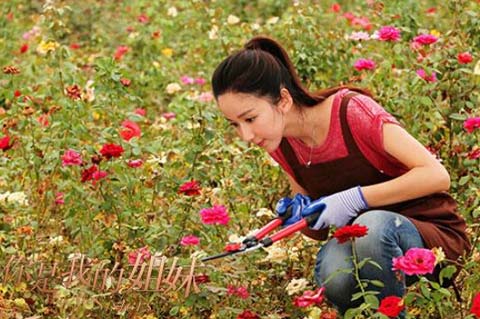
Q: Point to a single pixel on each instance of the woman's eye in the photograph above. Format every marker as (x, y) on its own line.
(233, 124)
(250, 120)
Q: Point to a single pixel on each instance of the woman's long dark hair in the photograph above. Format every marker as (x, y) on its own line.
(262, 68)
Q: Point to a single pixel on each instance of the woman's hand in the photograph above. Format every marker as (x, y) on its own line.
(340, 208)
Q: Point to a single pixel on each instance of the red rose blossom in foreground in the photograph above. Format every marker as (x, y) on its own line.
(349, 232)
(191, 188)
(416, 261)
(391, 306)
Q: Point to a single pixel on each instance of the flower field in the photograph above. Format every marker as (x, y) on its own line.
(114, 158)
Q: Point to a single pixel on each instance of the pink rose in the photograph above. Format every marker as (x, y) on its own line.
(141, 253)
(59, 198)
(135, 163)
(240, 292)
(216, 215)
(389, 33)
(309, 297)
(425, 39)
(168, 115)
(200, 81)
(187, 80)
(190, 240)
(120, 52)
(71, 158)
(416, 261)
(429, 78)
(471, 124)
(205, 97)
(364, 64)
(140, 111)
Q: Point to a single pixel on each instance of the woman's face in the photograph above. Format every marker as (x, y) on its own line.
(255, 119)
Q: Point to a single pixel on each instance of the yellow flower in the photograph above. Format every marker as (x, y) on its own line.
(96, 116)
(44, 47)
(167, 52)
(435, 33)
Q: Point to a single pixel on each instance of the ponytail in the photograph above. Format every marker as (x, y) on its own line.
(262, 68)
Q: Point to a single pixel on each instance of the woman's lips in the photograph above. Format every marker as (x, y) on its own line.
(261, 143)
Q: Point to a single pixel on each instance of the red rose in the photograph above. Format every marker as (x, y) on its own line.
(5, 143)
(130, 130)
(111, 150)
(191, 188)
(87, 174)
(464, 58)
(247, 314)
(391, 306)
(348, 232)
(125, 82)
(476, 305)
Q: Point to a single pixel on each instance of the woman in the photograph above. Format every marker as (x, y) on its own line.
(351, 157)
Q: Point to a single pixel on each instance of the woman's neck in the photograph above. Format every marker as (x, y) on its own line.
(309, 124)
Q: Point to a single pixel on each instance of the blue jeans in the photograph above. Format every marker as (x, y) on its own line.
(389, 235)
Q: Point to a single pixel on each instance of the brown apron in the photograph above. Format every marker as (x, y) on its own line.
(435, 216)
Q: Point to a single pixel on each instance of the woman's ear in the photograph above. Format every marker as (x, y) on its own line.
(286, 101)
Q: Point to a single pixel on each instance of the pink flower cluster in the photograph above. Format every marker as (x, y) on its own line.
(215, 215)
(71, 158)
(425, 39)
(416, 261)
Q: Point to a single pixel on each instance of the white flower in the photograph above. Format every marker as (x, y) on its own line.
(275, 254)
(56, 240)
(439, 254)
(265, 212)
(89, 92)
(172, 12)
(357, 36)
(255, 26)
(173, 88)
(15, 197)
(273, 20)
(233, 19)
(296, 285)
(213, 33)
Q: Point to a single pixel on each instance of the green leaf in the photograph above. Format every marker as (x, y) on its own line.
(459, 117)
(464, 180)
(174, 311)
(372, 301)
(377, 283)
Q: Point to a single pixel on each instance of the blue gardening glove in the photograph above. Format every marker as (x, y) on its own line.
(340, 208)
(296, 205)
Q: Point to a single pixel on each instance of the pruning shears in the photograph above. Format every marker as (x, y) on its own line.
(258, 240)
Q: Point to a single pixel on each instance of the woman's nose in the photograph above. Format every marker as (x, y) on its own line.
(245, 133)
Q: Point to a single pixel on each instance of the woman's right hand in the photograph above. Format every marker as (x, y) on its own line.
(295, 206)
